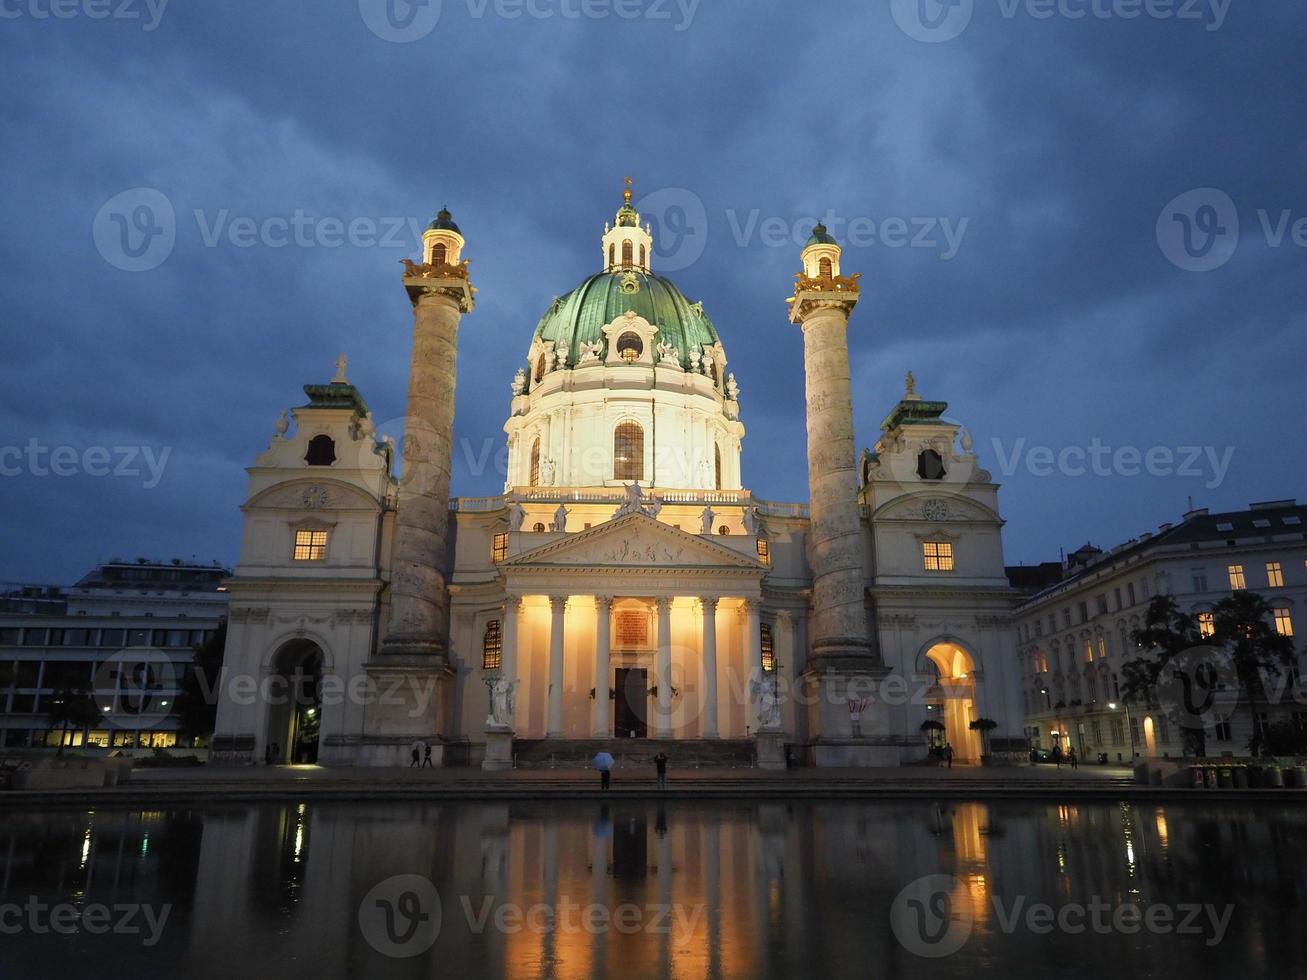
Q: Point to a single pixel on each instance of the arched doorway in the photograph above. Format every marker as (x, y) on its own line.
(952, 699)
(295, 714)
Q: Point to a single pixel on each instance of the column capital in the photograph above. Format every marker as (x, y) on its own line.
(603, 601)
(512, 602)
(709, 603)
(664, 604)
(558, 603)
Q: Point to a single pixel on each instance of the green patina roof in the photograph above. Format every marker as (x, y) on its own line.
(912, 410)
(580, 316)
(444, 222)
(335, 395)
(820, 236)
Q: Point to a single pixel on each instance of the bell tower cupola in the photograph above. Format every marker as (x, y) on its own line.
(627, 246)
(442, 242)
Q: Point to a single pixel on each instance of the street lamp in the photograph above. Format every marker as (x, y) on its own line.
(1128, 725)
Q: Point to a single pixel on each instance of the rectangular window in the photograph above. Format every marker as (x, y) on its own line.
(768, 646)
(1101, 603)
(1206, 624)
(1236, 577)
(1118, 731)
(1130, 592)
(1084, 612)
(1066, 618)
(1089, 651)
(499, 547)
(310, 545)
(492, 646)
(1200, 581)
(1096, 732)
(1283, 621)
(113, 639)
(1274, 575)
(937, 556)
(1102, 648)
(764, 551)
(11, 636)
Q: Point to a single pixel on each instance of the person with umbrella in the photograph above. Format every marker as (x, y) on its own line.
(604, 763)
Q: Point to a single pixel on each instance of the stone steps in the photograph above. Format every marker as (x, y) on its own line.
(633, 753)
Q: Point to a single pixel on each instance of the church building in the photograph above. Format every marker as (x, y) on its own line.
(626, 589)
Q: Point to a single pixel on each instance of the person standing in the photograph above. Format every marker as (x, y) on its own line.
(660, 764)
(1071, 758)
(426, 757)
(1057, 754)
(948, 754)
(604, 763)
(416, 753)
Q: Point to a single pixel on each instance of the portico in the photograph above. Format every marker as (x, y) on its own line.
(632, 629)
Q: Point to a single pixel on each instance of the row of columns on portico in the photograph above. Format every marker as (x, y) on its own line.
(601, 716)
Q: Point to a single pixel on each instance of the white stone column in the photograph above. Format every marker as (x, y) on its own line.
(508, 659)
(603, 654)
(752, 659)
(558, 609)
(663, 668)
(709, 657)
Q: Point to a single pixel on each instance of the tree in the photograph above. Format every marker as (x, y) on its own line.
(984, 726)
(1195, 669)
(197, 704)
(72, 707)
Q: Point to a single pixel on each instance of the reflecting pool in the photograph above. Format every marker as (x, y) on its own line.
(637, 889)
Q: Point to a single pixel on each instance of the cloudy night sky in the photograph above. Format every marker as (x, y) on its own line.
(1012, 181)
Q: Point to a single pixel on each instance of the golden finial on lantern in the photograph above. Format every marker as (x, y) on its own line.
(627, 194)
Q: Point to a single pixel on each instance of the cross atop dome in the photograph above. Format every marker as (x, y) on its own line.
(627, 246)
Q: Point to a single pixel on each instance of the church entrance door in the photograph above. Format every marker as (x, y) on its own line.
(631, 709)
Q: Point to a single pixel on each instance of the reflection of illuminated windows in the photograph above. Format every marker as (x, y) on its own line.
(310, 545)
(1206, 624)
(937, 556)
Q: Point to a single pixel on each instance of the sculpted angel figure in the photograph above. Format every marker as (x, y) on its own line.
(519, 382)
(668, 353)
(503, 702)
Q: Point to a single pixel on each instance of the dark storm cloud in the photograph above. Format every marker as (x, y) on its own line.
(1054, 144)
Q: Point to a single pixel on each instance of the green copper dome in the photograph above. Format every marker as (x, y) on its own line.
(820, 236)
(580, 316)
(444, 222)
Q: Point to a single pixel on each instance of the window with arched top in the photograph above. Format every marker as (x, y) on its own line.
(492, 646)
(630, 347)
(438, 253)
(826, 268)
(930, 465)
(717, 465)
(628, 452)
(321, 452)
(644, 257)
(542, 362)
(628, 255)
(535, 463)
(768, 647)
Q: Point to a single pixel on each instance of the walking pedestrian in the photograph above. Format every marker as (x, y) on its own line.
(604, 763)
(948, 754)
(1057, 755)
(1075, 762)
(426, 757)
(660, 764)
(416, 753)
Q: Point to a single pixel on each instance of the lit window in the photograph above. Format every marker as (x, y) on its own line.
(499, 548)
(1089, 651)
(768, 648)
(1206, 624)
(535, 463)
(1236, 577)
(628, 452)
(717, 465)
(438, 254)
(1283, 622)
(723, 530)
(630, 347)
(627, 255)
(764, 551)
(492, 647)
(612, 256)
(937, 556)
(1274, 575)
(1102, 647)
(310, 545)
(825, 269)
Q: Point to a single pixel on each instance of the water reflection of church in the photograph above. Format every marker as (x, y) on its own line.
(625, 584)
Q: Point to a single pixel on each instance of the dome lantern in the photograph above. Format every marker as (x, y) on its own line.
(627, 246)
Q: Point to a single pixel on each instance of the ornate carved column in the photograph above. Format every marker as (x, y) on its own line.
(663, 669)
(558, 609)
(603, 654)
(709, 657)
(419, 598)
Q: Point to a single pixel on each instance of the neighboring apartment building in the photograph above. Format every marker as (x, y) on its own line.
(1074, 636)
(121, 614)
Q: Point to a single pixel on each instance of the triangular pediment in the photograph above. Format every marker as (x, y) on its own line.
(634, 541)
